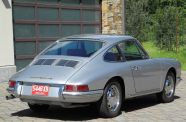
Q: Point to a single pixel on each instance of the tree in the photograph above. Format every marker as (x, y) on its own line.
(163, 21)
(168, 24)
(136, 18)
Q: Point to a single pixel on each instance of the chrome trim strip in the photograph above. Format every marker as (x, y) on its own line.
(83, 93)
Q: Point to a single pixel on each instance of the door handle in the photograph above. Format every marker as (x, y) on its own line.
(135, 68)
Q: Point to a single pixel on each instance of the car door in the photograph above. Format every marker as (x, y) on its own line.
(146, 72)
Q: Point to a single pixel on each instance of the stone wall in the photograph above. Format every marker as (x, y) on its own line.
(112, 17)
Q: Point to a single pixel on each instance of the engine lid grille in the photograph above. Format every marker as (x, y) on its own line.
(44, 62)
(62, 62)
(68, 63)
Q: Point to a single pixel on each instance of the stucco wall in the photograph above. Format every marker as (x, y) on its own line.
(112, 23)
(6, 38)
(6, 42)
(112, 17)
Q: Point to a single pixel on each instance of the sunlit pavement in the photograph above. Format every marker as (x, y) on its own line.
(143, 109)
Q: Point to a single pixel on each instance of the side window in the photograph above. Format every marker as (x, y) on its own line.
(130, 50)
(143, 53)
(113, 55)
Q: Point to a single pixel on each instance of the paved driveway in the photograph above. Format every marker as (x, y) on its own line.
(143, 109)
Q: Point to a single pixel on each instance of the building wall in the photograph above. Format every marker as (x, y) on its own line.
(112, 23)
(112, 17)
(7, 66)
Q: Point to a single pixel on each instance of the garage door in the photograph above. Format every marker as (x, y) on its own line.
(38, 23)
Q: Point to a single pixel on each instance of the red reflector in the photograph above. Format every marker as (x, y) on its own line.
(76, 88)
(12, 83)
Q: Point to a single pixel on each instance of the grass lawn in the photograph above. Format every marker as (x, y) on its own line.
(154, 52)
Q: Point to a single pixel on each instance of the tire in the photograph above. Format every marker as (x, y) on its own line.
(38, 107)
(110, 104)
(167, 96)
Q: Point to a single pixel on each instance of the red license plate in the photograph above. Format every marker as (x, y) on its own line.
(40, 90)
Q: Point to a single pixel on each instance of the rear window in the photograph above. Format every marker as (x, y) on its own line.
(81, 48)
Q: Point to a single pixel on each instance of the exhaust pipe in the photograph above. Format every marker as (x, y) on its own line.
(11, 96)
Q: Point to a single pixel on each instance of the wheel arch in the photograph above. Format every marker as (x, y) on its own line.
(120, 80)
(161, 95)
(173, 70)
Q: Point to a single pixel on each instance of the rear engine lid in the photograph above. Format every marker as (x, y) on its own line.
(50, 70)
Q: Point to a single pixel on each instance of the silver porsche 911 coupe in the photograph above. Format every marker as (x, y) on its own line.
(103, 70)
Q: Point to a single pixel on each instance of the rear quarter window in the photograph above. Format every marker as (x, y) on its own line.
(113, 55)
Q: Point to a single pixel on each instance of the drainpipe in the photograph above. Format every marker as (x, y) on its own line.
(7, 3)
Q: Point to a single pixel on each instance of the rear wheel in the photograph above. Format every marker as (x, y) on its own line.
(38, 107)
(167, 95)
(110, 104)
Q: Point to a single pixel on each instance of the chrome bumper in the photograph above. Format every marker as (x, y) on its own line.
(81, 97)
(11, 94)
(65, 98)
(56, 95)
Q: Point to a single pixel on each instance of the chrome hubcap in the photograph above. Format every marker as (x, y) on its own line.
(169, 86)
(113, 98)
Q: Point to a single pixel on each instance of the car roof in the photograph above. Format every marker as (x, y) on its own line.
(111, 38)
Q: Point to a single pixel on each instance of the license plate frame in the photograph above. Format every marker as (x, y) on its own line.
(40, 90)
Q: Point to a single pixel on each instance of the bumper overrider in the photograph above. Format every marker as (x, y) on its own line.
(57, 95)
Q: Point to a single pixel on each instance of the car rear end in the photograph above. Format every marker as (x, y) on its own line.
(45, 80)
(54, 94)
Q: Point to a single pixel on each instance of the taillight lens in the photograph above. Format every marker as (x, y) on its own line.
(82, 88)
(69, 88)
(76, 88)
(12, 83)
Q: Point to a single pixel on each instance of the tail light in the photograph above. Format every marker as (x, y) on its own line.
(12, 83)
(76, 88)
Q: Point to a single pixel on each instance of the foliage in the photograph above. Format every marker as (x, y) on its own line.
(136, 17)
(163, 21)
(167, 28)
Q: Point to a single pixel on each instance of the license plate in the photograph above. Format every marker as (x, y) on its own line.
(40, 90)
